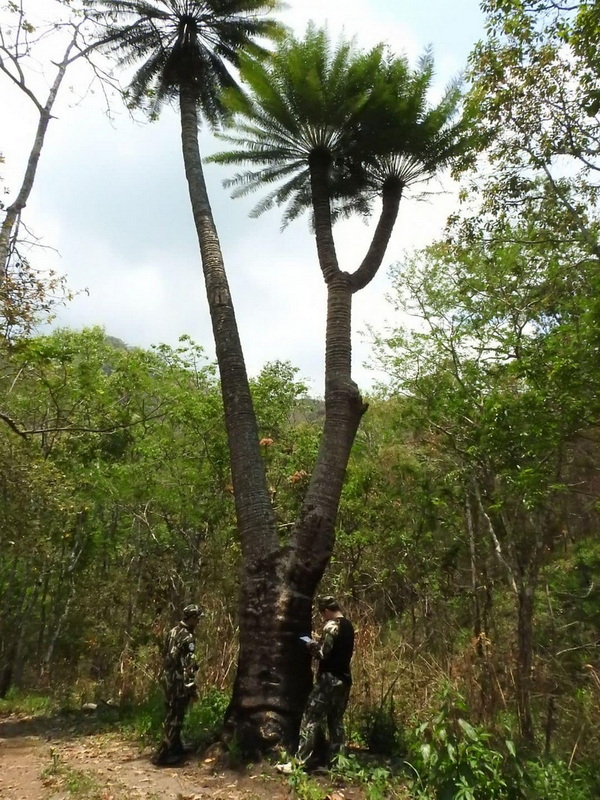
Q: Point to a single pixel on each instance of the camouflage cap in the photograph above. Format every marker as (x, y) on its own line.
(328, 603)
(192, 610)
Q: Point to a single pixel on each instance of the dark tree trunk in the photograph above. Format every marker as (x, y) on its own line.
(12, 666)
(6, 675)
(525, 660)
(476, 605)
(273, 676)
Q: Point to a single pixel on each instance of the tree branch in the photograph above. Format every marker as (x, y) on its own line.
(391, 196)
(74, 428)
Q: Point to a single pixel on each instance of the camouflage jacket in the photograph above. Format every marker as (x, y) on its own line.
(179, 661)
(335, 648)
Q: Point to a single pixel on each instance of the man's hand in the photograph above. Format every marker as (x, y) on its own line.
(193, 694)
(314, 649)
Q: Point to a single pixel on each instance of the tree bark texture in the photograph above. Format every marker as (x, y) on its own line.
(319, 164)
(525, 660)
(314, 534)
(391, 196)
(256, 521)
(273, 676)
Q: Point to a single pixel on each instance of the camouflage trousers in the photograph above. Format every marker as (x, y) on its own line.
(171, 745)
(326, 705)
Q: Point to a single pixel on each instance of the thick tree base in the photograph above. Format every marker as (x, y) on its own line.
(274, 674)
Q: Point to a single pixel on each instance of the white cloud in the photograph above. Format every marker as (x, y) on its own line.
(112, 200)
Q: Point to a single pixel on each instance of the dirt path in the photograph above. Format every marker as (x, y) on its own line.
(42, 759)
(21, 765)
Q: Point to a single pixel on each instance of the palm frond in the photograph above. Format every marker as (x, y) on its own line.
(185, 43)
(366, 113)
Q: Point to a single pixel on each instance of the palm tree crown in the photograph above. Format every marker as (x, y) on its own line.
(185, 44)
(367, 114)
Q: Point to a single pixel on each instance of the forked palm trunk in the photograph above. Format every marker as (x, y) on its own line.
(314, 535)
(278, 583)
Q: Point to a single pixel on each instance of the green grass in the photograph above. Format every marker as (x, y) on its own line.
(77, 784)
(202, 725)
(30, 703)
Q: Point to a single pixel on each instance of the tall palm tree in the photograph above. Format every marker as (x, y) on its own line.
(335, 130)
(186, 49)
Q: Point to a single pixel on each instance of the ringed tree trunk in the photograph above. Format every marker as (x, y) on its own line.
(255, 517)
(278, 583)
(314, 534)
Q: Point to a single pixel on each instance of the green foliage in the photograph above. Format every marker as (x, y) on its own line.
(365, 114)
(377, 781)
(191, 46)
(121, 442)
(555, 780)
(204, 719)
(303, 786)
(498, 388)
(455, 760)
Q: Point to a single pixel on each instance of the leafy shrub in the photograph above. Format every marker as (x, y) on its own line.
(380, 730)
(554, 780)
(454, 760)
(378, 782)
(204, 718)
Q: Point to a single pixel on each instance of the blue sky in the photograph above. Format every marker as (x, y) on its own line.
(110, 205)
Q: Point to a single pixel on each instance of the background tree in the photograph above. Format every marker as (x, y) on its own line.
(529, 96)
(20, 40)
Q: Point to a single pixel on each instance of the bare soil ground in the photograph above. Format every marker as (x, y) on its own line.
(75, 759)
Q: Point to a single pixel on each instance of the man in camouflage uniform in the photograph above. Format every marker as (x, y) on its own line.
(178, 680)
(328, 700)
